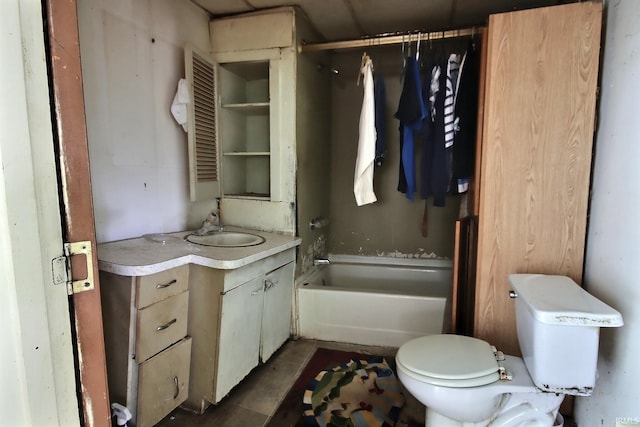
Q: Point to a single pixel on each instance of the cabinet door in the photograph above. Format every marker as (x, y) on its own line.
(542, 72)
(163, 383)
(204, 174)
(276, 316)
(239, 344)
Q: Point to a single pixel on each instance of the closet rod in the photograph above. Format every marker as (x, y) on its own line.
(391, 39)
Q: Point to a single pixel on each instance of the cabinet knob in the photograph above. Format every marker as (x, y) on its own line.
(268, 284)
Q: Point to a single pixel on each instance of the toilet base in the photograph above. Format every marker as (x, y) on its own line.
(435, 419)
(516, 411)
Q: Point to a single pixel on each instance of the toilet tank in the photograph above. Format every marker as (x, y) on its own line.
(558, 326)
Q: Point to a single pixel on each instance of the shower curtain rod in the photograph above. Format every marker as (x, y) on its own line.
(388, 39)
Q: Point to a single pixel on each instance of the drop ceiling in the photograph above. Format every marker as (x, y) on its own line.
(352, 19)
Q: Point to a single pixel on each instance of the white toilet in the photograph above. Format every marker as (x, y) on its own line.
(465, 382)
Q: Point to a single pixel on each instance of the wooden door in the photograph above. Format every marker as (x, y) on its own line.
(539, 111)
(78, 222)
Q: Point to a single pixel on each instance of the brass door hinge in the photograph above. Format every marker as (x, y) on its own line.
(61, 267)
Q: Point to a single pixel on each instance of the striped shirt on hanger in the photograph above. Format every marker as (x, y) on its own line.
(453, 66)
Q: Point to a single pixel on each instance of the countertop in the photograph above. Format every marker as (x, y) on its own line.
(143, 256)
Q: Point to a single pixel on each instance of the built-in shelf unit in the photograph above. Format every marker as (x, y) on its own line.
(245, 129)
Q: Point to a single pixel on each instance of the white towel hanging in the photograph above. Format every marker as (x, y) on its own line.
(363, 176)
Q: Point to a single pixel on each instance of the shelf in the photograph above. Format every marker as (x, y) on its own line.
(248, 196)
(249, 107)
(248, 71)
(248, 153)
(245, 124)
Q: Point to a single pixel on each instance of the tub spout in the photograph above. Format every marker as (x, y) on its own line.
(321, 261)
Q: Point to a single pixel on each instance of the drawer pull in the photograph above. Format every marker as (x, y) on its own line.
(166, 325)
(166, 285)
(175, 382)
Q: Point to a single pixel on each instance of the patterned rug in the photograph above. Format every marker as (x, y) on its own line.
(358, 393)
(290, 413)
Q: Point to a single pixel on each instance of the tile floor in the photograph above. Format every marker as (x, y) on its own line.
(256, 398)
(252, 402)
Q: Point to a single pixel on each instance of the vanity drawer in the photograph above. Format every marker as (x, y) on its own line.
(160, 325)
(163, 383)
(158, 286)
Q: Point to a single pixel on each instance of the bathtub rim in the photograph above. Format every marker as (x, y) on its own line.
(310, 273)
(388, 260)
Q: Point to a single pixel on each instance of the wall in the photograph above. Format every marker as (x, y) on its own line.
(392, 225)
(613, 240)
(132, 58)
(313, 90)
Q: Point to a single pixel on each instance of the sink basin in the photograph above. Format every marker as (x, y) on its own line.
(226, 239)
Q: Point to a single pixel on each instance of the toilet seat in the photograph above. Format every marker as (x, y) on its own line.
(449, 360)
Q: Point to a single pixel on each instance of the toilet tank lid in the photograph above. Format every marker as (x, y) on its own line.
(559, 300)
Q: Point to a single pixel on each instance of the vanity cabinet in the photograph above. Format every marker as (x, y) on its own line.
(237, 319)
(148, 350)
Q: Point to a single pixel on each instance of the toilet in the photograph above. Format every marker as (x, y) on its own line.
(466, 382)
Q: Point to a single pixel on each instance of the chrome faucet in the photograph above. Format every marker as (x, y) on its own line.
(321, 261)
(210, 224)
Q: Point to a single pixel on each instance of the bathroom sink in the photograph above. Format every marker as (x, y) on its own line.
(226, 239)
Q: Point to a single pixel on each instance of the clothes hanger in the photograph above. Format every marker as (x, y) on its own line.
(403, 63)
(363, 61)
(473, 37)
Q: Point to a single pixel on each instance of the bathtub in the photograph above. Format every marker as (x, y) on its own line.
(374, 300)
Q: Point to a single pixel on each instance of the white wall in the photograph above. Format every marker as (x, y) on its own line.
(612, 265)
(132, 58)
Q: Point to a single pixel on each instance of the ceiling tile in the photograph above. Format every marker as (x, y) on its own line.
(352, 19)
(223, 7)
(331, 18)
(473, 12)
(383, 16)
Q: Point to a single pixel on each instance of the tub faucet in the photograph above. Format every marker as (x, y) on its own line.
(321, 261)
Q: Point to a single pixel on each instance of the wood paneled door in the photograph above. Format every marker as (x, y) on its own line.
(538, 131)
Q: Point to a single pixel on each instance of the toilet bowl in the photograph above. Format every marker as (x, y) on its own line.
(465, 382)
(465, 385)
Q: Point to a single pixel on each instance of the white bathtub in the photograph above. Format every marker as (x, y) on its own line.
(374, 300)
